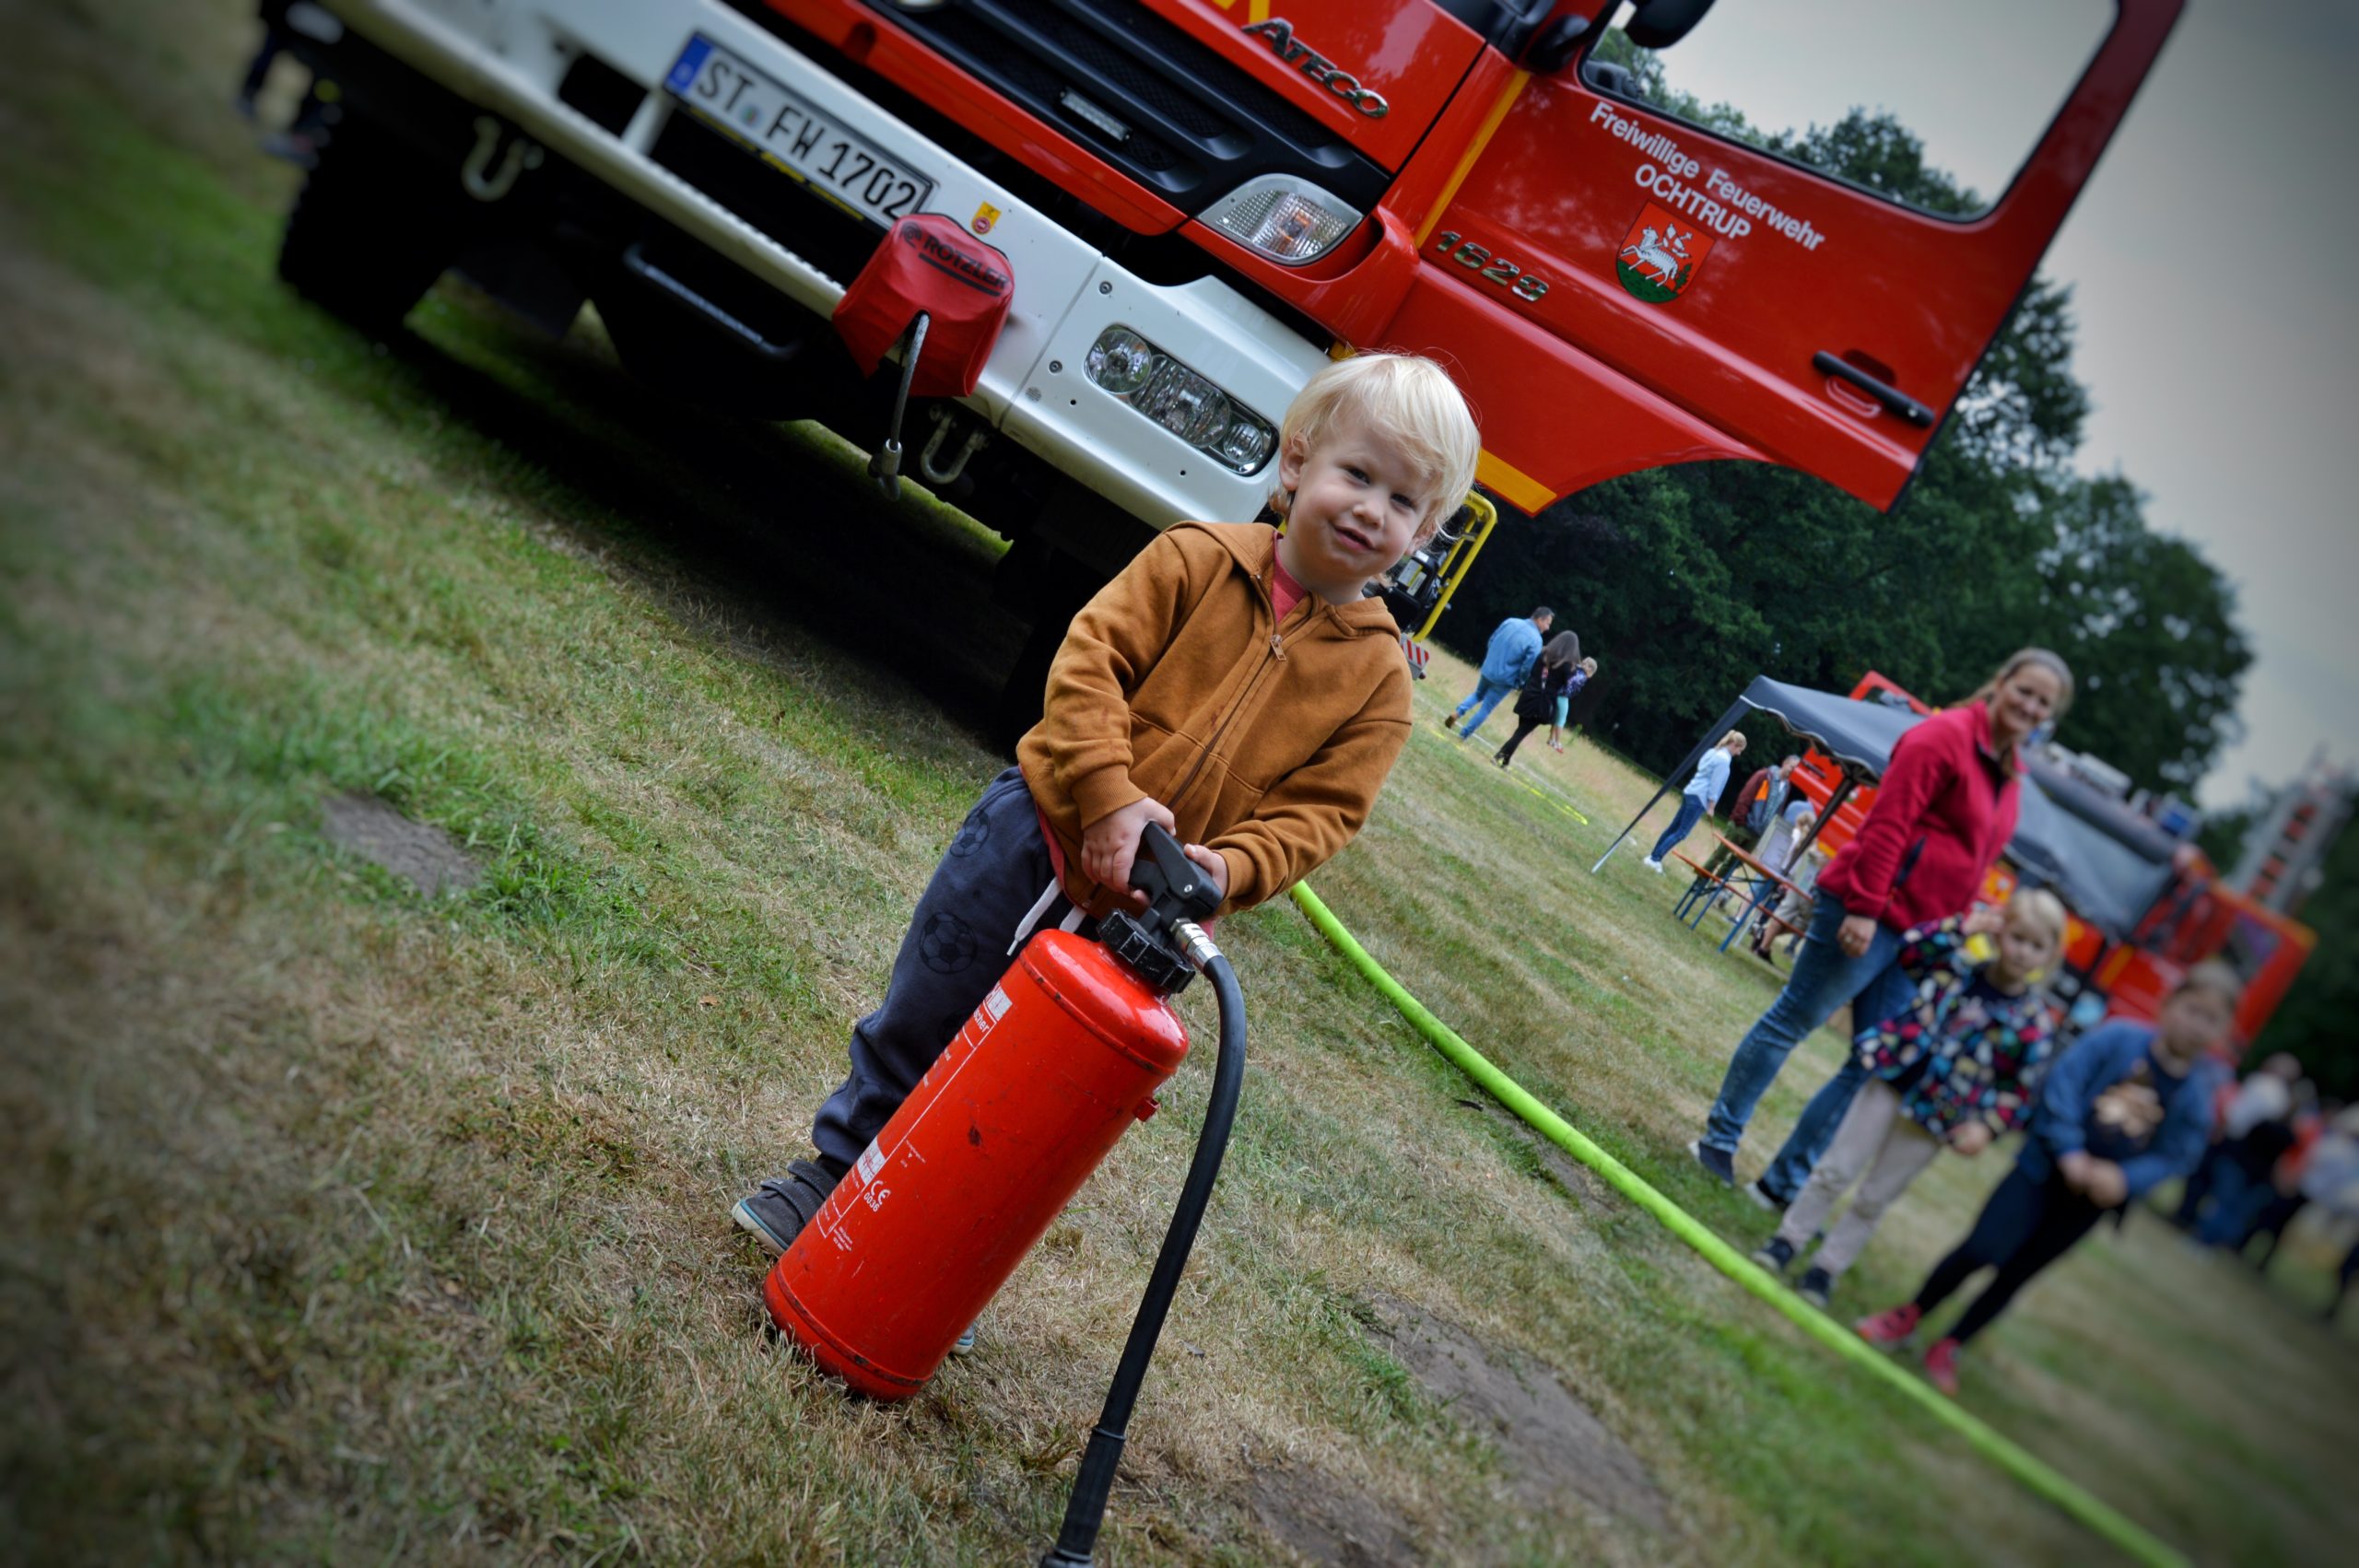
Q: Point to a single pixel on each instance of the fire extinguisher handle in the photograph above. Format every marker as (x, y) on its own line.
(1095, 1482)
(1169, 879)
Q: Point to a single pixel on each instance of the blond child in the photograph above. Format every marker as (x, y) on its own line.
(1231, 684)
(1702, 792)
(1583, 674)
(1956, 1069)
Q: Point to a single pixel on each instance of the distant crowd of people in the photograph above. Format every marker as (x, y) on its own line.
(1955, 1041)
(1545, 673)
(2278, 1149)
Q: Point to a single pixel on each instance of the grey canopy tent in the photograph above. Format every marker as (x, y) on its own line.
(2109, 866)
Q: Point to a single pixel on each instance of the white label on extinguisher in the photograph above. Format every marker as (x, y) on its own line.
(872, 1159)
(995, 1005)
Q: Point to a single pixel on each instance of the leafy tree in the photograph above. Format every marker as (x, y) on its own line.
(2315, 1020)
(2148, 626)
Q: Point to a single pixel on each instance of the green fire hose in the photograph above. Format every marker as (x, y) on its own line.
(2040, 1478)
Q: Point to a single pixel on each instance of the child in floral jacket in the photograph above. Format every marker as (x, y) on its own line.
(1959, 1066)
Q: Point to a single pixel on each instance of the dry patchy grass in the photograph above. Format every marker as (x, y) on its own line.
(348, 1222)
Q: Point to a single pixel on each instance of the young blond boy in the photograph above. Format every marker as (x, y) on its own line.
(1231, 683)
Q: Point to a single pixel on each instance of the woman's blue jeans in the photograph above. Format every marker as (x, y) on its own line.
(1691, 811)
(1822, 980)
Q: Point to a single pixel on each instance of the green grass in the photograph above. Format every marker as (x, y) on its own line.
(351, 1223)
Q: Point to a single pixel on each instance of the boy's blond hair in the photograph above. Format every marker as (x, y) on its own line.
(2042, 909)
(1409, 399)
(2217, 976)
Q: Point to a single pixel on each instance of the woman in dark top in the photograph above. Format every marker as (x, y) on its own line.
(1557, 673)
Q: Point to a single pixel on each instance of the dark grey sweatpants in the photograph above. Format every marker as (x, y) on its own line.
(955, 951)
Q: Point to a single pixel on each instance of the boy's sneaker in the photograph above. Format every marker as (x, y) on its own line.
(1940, 1366)
(1816, 1285)
(965, 1343)
(1721, 1166)
(774, 1212)
(1774, 1254)
(1653, 865)
(1766, 1199)
(1891, 1326)
(1450, 721)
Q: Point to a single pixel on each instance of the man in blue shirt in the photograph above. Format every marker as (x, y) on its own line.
(1506, 662)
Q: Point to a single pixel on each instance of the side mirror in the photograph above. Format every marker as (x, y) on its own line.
(1659, 24)
(1653, 24)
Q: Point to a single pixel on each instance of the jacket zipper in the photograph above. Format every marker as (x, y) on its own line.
(1276, 653)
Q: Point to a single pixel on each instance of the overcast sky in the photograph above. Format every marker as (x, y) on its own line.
(2211, 260)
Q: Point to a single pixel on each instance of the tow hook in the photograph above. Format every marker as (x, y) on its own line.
(945, 423)
(521, 155)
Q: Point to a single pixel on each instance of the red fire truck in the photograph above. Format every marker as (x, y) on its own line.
(1199, 201)
(2181, 909)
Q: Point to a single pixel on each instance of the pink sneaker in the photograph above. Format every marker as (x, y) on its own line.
(1891, 1325)
(1940, 1366)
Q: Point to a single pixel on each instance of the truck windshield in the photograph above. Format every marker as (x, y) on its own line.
(1935, 106)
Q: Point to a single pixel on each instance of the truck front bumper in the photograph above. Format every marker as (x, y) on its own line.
(509, 57)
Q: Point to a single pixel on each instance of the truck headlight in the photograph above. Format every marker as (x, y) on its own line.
(1130, 368)
(1286, 220)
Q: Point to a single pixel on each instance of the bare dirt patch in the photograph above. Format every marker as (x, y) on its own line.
(1551, 1447)
(418, 852)
(1329, 1522)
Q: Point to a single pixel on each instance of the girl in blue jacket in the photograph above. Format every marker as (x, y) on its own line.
(1702, 793)
(2127, 1105)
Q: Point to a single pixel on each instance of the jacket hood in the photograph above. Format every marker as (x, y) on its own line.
(1254, 547)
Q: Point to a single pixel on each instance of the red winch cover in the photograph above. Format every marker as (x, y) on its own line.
(929, 263)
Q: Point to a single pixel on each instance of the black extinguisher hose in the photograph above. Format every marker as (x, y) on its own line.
(1094, 1482)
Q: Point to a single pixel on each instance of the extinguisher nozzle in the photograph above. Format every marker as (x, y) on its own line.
(1094, 1480)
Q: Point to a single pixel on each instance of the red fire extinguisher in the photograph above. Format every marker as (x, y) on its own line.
(1065, 1053)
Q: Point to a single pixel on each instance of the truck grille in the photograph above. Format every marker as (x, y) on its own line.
(1143, 95)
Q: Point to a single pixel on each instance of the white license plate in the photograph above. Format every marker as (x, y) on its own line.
(767, 117)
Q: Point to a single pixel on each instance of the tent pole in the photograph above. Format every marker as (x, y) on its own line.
(1833, 804)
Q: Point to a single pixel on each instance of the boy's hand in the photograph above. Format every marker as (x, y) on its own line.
(1109, 845)
(1215, 866)
(2105, 1185)
(1984, 920)
(2076, 1166)
(1970, 1137)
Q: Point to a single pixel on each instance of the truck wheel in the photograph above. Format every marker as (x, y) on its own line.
(1057, 586)
(371, 230)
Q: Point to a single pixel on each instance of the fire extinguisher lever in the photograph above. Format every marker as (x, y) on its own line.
(1177, 891)
(1093, 1483)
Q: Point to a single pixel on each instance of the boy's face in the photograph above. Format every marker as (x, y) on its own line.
(1357, 502)
(2195, 1019)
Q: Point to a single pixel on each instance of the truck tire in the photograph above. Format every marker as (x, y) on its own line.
(371, 229)
(1055, 585)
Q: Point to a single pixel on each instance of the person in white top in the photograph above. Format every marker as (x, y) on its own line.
(1702, 792)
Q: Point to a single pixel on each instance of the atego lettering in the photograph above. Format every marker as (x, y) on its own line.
(1278, 33)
